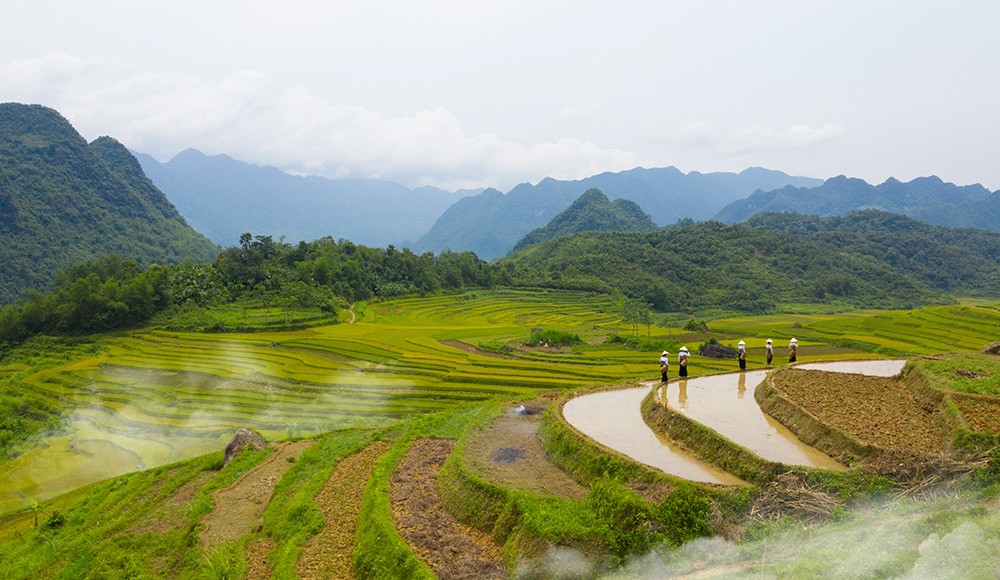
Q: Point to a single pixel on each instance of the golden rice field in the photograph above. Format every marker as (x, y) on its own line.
(151, 397)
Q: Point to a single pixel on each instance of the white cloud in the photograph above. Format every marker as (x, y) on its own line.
(256, 119)
(754, 139)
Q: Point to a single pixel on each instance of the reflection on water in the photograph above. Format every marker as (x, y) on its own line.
(726, 404)
(614, 419)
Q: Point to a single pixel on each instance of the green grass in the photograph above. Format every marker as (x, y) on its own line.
(972, 373)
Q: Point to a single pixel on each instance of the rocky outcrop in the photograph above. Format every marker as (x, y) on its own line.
(243, 439)
(992, 348)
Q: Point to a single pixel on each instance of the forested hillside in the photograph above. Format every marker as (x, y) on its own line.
(955, 260)
(490, 223)
(712, 265)
(928, 199)
(593, 211)
(63, 201)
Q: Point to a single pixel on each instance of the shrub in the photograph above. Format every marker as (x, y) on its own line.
(684, 516)
(644, 343)
(627, 520)
(554, 338)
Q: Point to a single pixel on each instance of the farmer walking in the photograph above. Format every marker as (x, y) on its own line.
(793, 347)
(770, 351)
(682, 362)
(741, 349)
(664, 366)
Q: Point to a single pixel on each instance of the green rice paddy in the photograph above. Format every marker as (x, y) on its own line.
(152, 397)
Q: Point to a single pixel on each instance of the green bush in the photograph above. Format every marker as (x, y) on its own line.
(684, 516)
(626, 520)
(643, 343)
(554, 338)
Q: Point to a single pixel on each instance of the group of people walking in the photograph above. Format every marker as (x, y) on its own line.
(682, 363)
(741, 355)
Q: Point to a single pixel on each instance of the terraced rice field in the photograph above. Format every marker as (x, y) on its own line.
(155, 396)
(892, 333)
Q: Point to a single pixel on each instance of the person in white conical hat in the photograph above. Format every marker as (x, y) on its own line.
(770, 351)
(741, 353)
(793, 350)
(682, 362)
(664, 366)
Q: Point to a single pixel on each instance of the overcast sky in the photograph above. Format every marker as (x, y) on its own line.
(469, 93)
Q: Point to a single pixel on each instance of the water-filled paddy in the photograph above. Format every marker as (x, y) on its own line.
(614, 419)
(723, 402)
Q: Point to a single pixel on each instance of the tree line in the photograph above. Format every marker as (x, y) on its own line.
(111, 293)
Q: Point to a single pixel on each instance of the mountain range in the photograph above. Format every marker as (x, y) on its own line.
(864, 259)
(928, 199)
(491, 223)
(223, 198)
(64, 201)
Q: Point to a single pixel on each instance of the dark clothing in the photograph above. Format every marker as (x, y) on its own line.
(770, 356)
(683, 372)
(663, 374)
(743, 360)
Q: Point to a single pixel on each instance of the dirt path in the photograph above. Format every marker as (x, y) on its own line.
(330, 553)
(508, 452)
(239, 508)
(450, 548)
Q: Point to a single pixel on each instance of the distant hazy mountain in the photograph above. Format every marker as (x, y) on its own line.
(223, 198)
(926, 198)
(64, 201)
(490, 223)
(592, 211)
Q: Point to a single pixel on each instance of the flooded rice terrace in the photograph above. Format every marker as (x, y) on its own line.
(725, 403)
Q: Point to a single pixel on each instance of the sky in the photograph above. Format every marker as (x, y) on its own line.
(460, 93)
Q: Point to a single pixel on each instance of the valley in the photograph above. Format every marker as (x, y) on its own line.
(151, 403)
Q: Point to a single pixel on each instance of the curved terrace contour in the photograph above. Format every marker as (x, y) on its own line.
(724, 403)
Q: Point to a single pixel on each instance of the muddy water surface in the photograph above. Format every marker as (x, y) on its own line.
(726, 404)
(873, 368)
(614, 419)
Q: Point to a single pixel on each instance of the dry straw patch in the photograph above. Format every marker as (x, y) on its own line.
(330, 553)
(450, 548)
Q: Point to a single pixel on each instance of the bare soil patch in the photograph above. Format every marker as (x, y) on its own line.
(508, 452)
(877, 410)
(239, 508)
(982, 413)
(258, 567)
(330, 553)
(450, 548)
